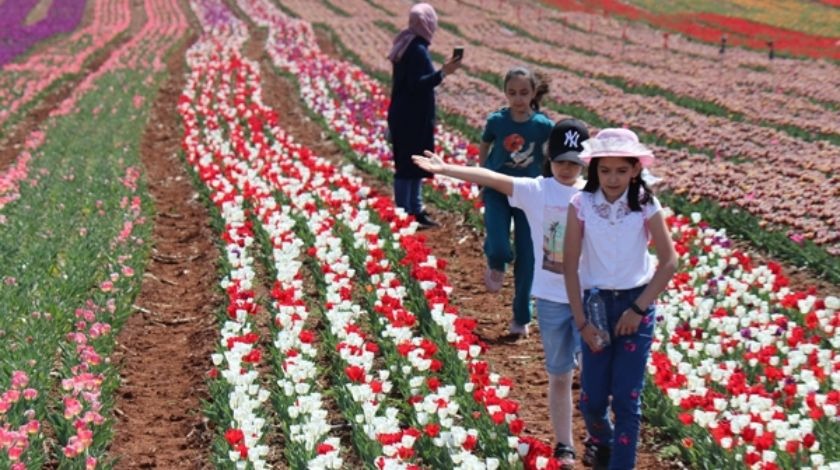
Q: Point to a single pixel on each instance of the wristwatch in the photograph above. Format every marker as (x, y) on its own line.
(637, 310)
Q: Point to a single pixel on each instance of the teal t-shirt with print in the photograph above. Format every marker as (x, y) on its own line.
(517, 146)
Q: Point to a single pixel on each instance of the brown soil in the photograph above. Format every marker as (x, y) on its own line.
(165, 346)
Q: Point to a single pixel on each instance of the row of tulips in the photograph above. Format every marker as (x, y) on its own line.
(380, 435)
(88, 378)
(78, 419)
(237, 395)
(748, 365)
(14, 436)
(296, 397)
(57, 328)
(165, 24)
(11, 177)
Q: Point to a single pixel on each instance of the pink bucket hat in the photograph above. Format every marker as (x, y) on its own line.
(616, 142)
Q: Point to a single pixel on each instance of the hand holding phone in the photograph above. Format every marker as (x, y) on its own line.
(458, 53)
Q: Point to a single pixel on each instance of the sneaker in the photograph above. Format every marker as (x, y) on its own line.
(602, 458)
(493, 280)
(425, 220)
(516, 329)
(565, 456)
(590, 448)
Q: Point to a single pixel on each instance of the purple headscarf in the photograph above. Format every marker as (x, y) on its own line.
(422, 21)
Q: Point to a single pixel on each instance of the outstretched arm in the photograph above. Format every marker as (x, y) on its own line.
(481, 176)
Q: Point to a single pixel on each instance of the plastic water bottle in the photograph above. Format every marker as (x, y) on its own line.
(596, 311)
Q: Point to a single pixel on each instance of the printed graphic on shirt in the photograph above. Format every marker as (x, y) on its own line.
(519, 158)
(554, 230)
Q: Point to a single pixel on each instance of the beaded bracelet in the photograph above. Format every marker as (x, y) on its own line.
(585, 324)
(638, 310)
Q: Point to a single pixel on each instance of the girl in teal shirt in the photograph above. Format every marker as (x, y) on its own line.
(512, 144)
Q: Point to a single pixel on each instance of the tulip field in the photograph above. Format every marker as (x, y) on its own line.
(331, 332)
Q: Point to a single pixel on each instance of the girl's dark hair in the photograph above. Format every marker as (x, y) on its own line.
(538, 83)
(546, 171)
(633, 199)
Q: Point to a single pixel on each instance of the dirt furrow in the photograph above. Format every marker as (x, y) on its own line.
(165, 346)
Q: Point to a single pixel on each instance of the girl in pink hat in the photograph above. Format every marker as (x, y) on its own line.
(609, 225)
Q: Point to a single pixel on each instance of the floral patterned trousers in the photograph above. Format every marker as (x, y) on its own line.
(617, 371)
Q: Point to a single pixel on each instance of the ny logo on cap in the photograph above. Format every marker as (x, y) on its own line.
(571, 138)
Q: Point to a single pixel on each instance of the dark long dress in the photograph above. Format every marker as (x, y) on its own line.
(411, 115)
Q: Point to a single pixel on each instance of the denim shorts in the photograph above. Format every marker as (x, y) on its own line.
(560, 338)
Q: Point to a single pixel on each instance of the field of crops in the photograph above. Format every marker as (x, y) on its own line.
(202, 263)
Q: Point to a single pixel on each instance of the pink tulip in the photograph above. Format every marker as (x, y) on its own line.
(19, 379)
(72, 407)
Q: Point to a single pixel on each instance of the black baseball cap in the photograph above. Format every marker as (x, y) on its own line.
(566, 141)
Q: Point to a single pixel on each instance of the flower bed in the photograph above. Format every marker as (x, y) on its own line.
(17, 36)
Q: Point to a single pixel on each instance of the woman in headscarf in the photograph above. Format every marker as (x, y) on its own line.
(411, 115)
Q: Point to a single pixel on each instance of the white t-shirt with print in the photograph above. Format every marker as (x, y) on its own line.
(614, 252)
(545, 202)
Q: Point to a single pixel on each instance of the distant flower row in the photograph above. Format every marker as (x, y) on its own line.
(21, 82)
(17, 35)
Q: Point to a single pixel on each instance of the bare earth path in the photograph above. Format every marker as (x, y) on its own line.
(165, 346)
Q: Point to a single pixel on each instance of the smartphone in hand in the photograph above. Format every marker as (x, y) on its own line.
(458, 53)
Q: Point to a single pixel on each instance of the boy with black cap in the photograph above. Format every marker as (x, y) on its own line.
(545, 201)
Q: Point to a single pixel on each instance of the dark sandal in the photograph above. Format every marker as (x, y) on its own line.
(565, 456)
